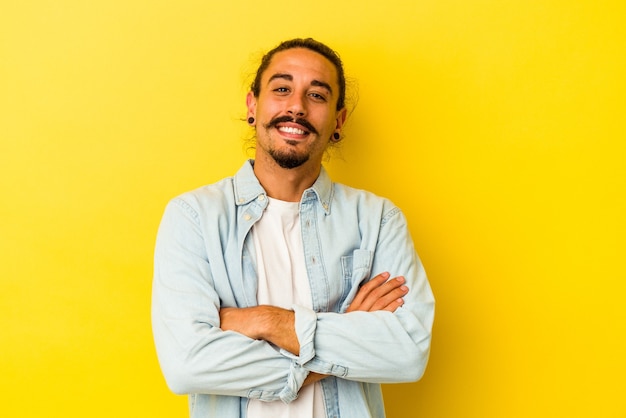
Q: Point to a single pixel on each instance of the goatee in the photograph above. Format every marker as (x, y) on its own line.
(288, 160)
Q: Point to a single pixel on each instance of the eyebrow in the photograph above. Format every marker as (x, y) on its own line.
(289, 77)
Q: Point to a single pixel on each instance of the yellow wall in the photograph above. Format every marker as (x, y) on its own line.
(497, 125)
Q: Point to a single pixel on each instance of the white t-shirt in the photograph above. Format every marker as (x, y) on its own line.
(283, 281)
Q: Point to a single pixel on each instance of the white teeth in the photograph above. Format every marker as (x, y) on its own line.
(290, 130)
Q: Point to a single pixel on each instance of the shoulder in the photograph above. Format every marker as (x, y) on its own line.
(209, 198)
(365, 203)
(343, 194)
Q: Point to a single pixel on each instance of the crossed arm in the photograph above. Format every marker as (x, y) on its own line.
(277, 325)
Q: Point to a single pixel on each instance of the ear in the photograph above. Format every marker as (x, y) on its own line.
(341, 118)
(251, 104)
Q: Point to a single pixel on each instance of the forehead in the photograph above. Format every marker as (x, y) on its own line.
(304, 64)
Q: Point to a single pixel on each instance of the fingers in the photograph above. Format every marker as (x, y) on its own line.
(395, 304)
(389, 295)
(360, 302)
(380, 294)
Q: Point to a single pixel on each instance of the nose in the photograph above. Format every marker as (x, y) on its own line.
(296, 106)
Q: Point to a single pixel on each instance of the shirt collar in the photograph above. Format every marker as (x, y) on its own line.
(248, 188)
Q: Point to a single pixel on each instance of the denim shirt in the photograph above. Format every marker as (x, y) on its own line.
(205, 260)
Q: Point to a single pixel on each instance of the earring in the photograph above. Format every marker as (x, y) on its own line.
(250, 120)
(336, 136)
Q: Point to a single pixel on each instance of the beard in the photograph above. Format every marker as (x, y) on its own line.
(288, 159)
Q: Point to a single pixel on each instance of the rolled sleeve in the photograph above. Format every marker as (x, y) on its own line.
(295, 380)
(305, 324)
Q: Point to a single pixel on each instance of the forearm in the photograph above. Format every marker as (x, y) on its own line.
(269, 323)
(389, 343)
(201, 358)
(377, 347)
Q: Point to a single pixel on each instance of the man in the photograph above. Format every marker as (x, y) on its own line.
(278, 293)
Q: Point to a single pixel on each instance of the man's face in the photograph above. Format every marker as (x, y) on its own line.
(296, 109)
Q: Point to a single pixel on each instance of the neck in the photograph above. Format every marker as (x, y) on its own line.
(286, 184)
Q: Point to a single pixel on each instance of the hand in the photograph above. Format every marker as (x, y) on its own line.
(380, 294)
(313, 377)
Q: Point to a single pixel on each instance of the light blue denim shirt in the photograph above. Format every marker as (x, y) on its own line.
(205, 260)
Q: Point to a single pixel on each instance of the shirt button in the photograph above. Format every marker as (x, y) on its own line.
(247, 217)
(261, 198)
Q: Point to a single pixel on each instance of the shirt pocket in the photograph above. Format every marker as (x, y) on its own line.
(356, 269)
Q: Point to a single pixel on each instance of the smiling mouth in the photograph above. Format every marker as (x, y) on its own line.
(285, 124)
(292, 130)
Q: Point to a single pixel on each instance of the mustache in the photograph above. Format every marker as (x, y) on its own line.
(300, 121)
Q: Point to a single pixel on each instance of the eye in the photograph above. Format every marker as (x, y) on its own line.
(281, 90)
(317, 96)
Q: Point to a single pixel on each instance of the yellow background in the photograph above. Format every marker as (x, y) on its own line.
(498, 126)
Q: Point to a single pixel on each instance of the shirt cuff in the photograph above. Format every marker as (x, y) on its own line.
(305, 324)
(295, 380)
